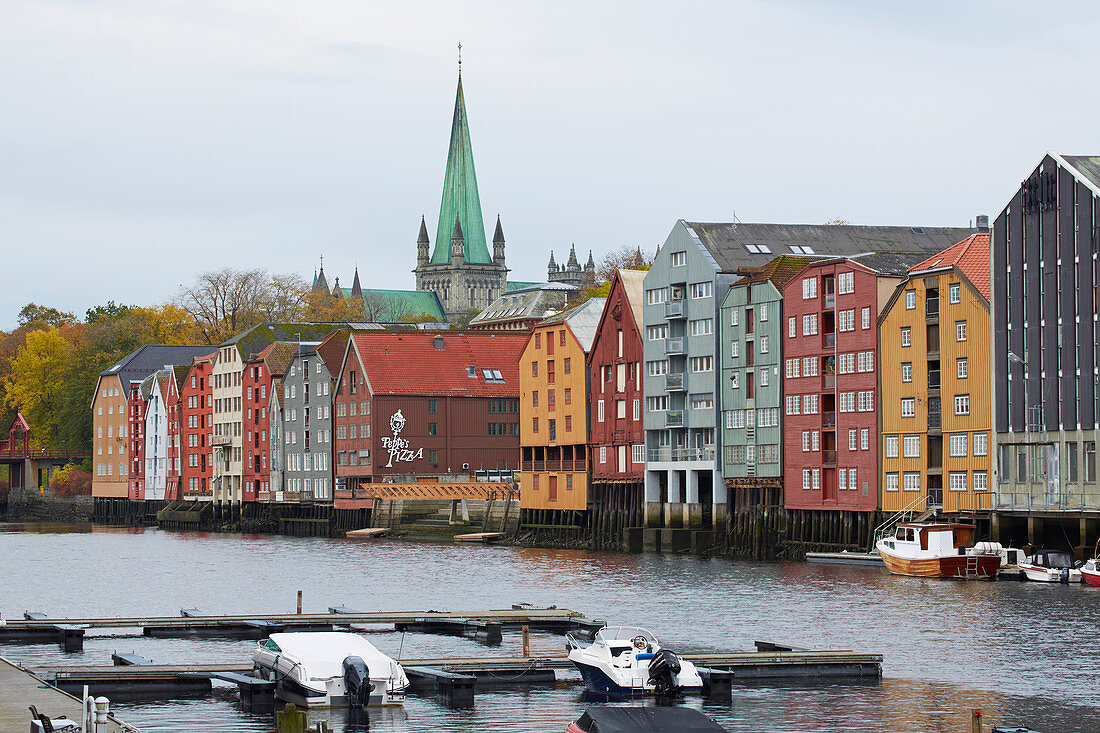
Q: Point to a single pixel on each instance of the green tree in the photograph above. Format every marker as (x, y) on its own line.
(36, 384)
(38, 316)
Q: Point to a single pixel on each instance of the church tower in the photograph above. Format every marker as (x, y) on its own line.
(460, 270)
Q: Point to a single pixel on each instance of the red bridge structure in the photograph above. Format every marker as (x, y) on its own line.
(31, 468)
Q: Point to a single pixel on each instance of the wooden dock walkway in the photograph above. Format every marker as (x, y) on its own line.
(19, 690)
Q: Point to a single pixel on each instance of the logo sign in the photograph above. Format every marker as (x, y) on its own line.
(397, 446)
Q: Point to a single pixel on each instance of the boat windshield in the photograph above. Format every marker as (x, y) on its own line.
(1056, 560)
(623, 633)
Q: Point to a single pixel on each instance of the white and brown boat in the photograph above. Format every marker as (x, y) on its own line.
(938, 550)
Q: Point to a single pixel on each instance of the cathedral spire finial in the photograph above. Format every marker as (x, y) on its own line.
(460, 59)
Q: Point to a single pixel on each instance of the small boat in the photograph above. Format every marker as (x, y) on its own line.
(628, 661)
(613, 719)
(938, 550)
(329, 669)
(1051, 566)
(1090, 571)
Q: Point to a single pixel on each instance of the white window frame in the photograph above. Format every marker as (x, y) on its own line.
(891, 447)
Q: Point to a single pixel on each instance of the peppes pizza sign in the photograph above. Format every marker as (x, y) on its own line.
(398, 447)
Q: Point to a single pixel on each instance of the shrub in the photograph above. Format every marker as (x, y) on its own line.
(71, 481)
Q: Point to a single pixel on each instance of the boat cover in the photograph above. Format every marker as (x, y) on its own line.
(322, 653)
(617, 719)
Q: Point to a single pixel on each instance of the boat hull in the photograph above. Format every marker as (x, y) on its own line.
(1050, 575)
(1090, 578)
(596, 680)
(964, 567)
(331, 695)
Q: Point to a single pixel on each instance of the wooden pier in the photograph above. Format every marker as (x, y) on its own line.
(19, 690)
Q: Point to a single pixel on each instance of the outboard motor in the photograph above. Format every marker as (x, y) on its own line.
(1065, 575)
(663, 669)
(356, 681)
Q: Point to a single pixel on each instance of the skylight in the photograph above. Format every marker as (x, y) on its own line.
(801, 249)
(758, 249)
(492, 375)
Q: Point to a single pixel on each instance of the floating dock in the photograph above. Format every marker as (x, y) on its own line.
(845, 558)
(192, 623)
(19, 690)
(454, 680)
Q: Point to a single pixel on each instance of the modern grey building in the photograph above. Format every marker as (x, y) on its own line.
(683, 289)
(1046, 359)
(307, 427)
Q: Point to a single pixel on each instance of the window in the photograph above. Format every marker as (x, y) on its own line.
(534, 368)
(958, 445)
(866, 315)
(763, 377)
(702, 326)
(981, 448)
(842, 479)
(809, 324)
(603, 454)
(568, 396)
(763, 311)
(907, 371)
(700, 290)
(433, 407)
(846, 402)
(962, 404)
(1090, 461)
(599, 411)
(846, 320)
(809, 288)
(912, 481)
(852, 479)
(806, 479)
(657, 368)
(910, 446)
(735, 349)
(678, 259)
(568, 423)
(637, 408)
(957, 481)
(816, 443)
(910, 299)
(702, 363)
(891, 446)
(864, 439)
(763, 342)
(867, 401)
(853, 440)
(908, 406)
(433, 428)
(535, 398)
(981, 481)
(954, 290)
(566, 364)
(792, 366)
(656, 404)
(794, 404)
(791, 328)
(655, 333)
(809, 404)
(892, 481)
(656, 296)
(735, 380)
(845, 282)
(960, 367)
(817, 478)
(702, 401)
(534, 425)
(960, 330)
(906, 336)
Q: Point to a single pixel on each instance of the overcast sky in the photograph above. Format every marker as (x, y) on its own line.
(145, 141)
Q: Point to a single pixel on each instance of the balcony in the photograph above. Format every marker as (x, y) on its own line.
(828, 419)
(674, 309)
(705, 453)
(830, 300)
(933, 379)
(829, 340)
(674, 382)
(828, 458)
(674, 419)
(220, 440)
(934, 421)
(828, 381)
(674, 346)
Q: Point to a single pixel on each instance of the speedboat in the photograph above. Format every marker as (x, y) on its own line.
(938, 550)
(329, 669)
(1051, 566)
(613, 719)
(628, 661)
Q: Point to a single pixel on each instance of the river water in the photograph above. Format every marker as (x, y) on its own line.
(1018, 651)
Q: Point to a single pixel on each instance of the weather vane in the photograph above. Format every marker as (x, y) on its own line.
(460, 58)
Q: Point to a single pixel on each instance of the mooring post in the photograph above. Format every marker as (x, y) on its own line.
(291, 720)
(299, 602)
(976, 721)
(526, 641)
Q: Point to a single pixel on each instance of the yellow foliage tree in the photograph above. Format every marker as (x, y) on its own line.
(36, 383)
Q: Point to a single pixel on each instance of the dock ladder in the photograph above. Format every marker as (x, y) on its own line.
(908, 514)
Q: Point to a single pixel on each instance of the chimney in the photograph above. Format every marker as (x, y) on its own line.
(982, 222)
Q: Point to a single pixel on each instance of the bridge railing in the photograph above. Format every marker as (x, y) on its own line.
(44, 453)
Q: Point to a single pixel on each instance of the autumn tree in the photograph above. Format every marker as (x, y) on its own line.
(225, 302)
(37, 316)
(36, 383)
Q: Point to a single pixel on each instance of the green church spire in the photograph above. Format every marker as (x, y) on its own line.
(460, 197)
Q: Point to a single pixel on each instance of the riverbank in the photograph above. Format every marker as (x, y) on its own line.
(36, 507)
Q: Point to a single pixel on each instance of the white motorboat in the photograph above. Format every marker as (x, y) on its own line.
(1051, 566)
(329, 669)
(628, 661)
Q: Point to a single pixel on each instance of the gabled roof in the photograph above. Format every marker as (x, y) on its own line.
(532, 303)
(277, 356)
(634, 287)
(259, 337)
(778, 271)
(970, 256)
(1087, 167)
(734, 245)
(399, 303)
(426, 363)
(460, 201)
(582, 320)
(149, 358)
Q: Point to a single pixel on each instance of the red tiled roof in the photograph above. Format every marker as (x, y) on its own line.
(971, 256)
(411, 363)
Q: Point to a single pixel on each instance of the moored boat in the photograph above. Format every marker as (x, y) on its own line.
(1090, 571)
(938, 550)
(329, 669)
(1051, 566)
(628, 661)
